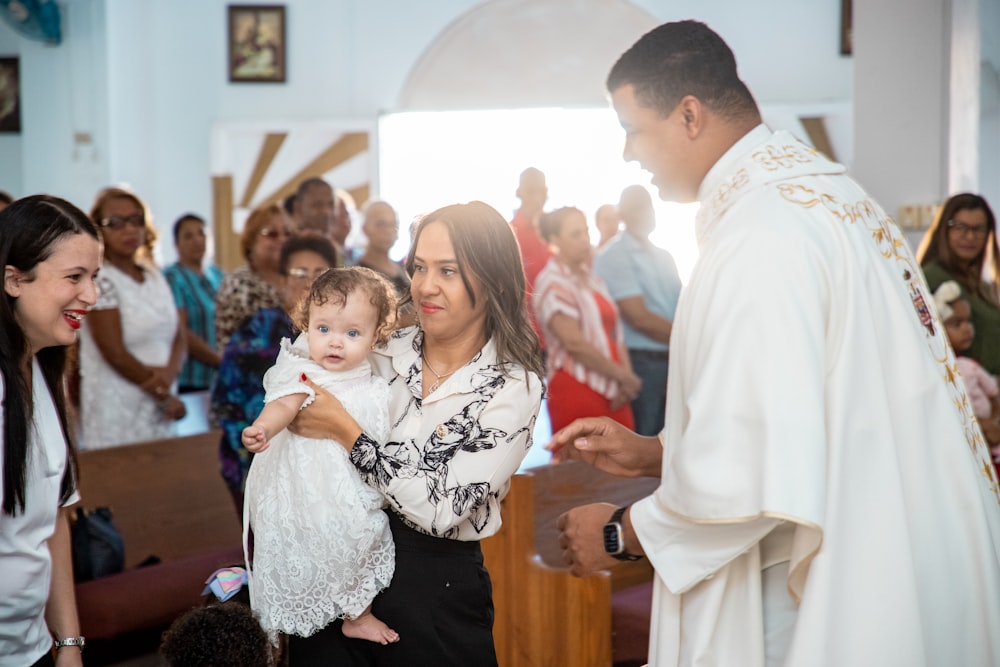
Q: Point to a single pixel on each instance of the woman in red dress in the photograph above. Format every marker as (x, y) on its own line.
(589, 374)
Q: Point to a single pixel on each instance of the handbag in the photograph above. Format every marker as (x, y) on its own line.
(98, 547)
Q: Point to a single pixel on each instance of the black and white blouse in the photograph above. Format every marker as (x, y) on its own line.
(449, 457)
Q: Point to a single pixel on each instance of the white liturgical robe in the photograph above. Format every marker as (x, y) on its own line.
(811, 388)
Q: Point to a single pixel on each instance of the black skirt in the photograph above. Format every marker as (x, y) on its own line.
(440, 602)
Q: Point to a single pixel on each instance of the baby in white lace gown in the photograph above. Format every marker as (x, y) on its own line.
(322, 549)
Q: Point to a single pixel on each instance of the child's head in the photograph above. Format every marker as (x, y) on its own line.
(347, 313)
(220, 635)
(956, 314)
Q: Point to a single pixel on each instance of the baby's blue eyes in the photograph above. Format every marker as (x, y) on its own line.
(324, 329)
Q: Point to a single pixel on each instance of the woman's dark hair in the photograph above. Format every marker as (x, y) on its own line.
(935, 248)
(29, 229)
(550, 224)
(679, 59)
(485, 247)
(180, 223)
(320, 245)
(336, 285)
(219, 635)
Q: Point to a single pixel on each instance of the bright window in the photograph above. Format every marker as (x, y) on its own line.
(430, 159)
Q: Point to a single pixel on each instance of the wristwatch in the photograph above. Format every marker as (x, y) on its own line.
(69, 641)
(614, 537)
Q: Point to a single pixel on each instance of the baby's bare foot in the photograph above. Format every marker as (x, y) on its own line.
(366, 626)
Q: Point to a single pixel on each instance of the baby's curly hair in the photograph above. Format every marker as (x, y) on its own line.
(219, 635)
(334, 286)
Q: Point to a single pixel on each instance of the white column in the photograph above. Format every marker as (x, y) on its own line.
(916, 91)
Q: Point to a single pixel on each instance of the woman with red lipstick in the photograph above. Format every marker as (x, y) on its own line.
(465, 388)
(956, 247)
(50, 253)
(132, 346)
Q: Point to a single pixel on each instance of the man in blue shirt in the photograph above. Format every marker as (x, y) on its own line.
(644, 283)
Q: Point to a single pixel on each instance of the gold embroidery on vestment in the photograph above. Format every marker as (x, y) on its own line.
(891, 246)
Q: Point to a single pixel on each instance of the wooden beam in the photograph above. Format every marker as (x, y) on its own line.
(268, 151)
(360, 194)
(815, 127)
(227, 241)
(340, 151)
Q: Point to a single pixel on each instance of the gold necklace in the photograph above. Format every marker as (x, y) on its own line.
(438, 376)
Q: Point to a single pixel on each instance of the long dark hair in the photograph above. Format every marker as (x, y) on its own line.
(486, 248)
(29, 228)
(935, 248)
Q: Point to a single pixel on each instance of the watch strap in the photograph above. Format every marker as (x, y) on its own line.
(616, 518)
(69, 641)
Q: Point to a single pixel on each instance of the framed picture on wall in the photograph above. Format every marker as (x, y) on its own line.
(846, 28)
(10, 95)
(257, 43)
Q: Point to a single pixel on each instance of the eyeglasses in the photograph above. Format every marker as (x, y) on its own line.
(304, 274)
(119, 221)
(269, 233)
(963, 229)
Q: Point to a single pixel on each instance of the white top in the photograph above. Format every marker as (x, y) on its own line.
(24, 551)
(811, 387)
(114, 410)
(449, 458)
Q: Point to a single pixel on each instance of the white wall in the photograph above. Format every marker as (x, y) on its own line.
(146, 79)
(989, 107)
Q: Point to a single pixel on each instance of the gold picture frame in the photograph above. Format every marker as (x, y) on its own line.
(257, 44)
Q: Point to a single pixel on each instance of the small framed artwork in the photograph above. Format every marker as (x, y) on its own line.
(846, 27)
(257, 43)
(10, 95)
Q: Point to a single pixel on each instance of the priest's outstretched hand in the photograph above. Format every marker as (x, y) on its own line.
(608, 446)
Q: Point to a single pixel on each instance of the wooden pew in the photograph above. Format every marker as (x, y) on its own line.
(544, 615)
(168, 500)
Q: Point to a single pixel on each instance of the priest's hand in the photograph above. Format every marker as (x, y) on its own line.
(608, 446)
(581, 537)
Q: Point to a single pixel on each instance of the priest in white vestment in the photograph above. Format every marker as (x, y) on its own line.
(827, 497)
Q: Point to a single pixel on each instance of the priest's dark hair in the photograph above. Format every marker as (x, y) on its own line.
(679, 59)
(29, 230)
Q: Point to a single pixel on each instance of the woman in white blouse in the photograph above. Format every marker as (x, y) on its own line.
(50, 252)
(465, 392)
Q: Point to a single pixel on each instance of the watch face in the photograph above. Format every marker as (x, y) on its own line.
(613, 538)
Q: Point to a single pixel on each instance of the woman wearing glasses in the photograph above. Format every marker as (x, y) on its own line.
(238, 392)
(955, 248)
(256, 284)
(132, 346)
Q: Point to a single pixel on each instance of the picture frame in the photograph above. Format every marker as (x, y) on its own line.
(257, 48)
(10, 95)
(846, 27)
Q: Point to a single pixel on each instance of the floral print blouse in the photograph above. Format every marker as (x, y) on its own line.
(449, 458)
